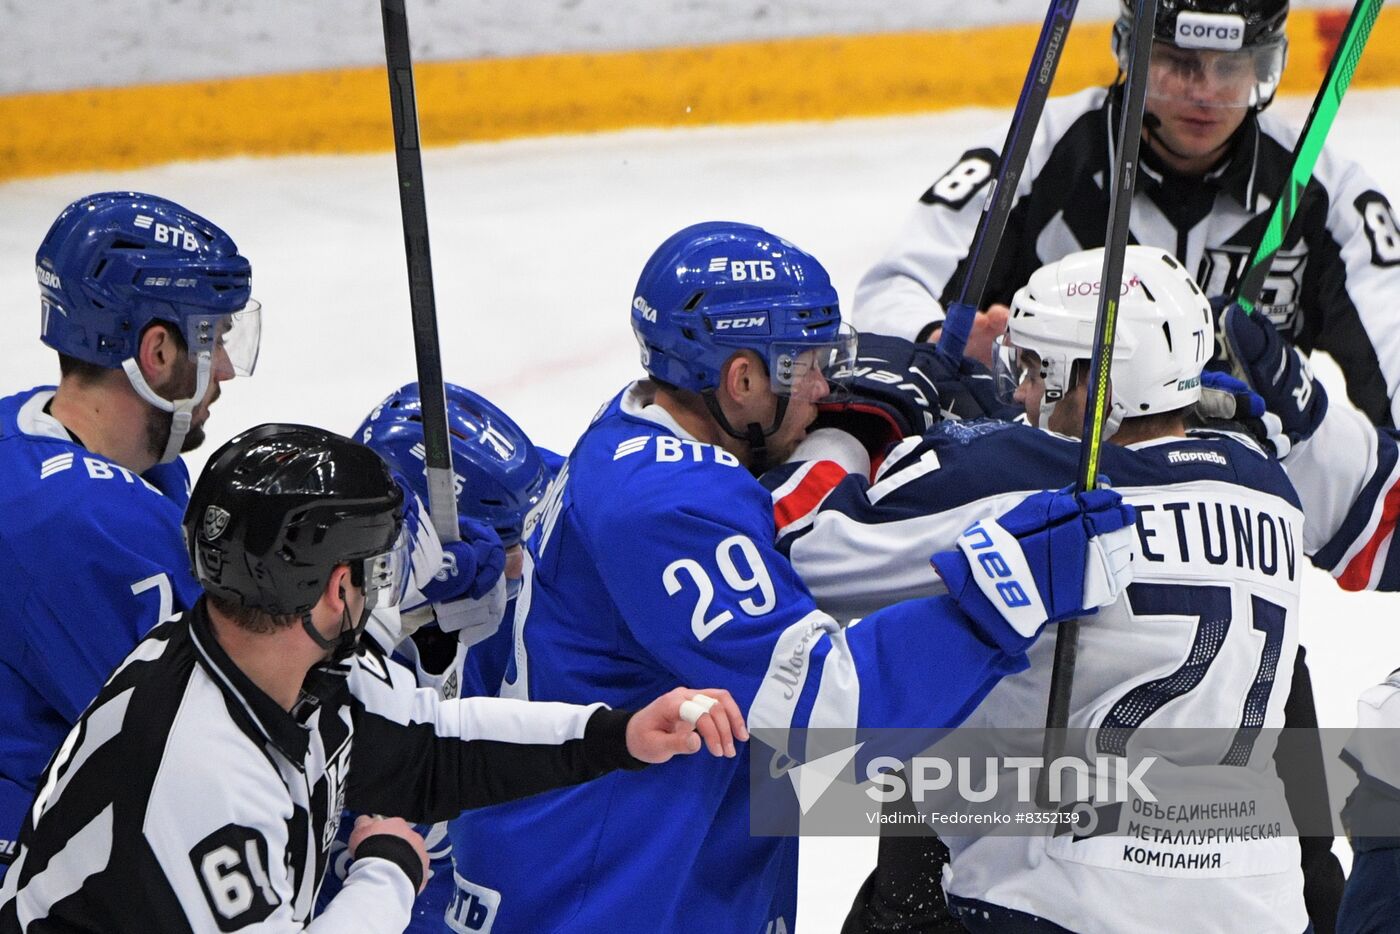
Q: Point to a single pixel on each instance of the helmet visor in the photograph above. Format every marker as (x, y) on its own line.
(1214, 78)
(805, 369)
(386, 576)
(1011, 366)
(233, 339)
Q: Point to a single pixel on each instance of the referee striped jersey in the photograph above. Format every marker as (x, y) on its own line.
(186, 799)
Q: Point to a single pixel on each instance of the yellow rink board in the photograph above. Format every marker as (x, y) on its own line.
(347, 110)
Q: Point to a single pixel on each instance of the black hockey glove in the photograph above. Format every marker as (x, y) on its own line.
(897, 388)
(1274, 369)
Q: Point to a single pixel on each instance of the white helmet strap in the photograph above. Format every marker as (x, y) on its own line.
(182, 410)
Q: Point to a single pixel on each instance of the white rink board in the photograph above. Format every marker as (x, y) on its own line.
(137, 41)
(61, 44)
(537, 245)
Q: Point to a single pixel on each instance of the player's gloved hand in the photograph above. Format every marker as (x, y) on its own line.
(1054, 556)
(1230, 404)
(471, 567)
(471, 619)
(1227, 398)
(440, 572)
(970, 391)
(899, 388)
(1276, 370)
(888, 394)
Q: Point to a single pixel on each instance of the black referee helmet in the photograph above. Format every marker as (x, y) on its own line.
(280, 506)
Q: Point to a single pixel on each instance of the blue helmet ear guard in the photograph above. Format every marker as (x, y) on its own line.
(719, 287)
(498, 475)
(114, 262)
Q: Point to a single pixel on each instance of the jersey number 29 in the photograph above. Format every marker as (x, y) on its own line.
(751, 579)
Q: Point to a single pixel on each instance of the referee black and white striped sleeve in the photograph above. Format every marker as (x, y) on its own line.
(167, 809)
(426, 759)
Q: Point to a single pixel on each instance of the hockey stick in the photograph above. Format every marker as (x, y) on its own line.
(442, 499)
(1105, 329)
(960, 315)
(1307, 150)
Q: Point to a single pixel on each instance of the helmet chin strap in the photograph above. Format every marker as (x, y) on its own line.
(342, 645)
(182, 410)
(754, 435)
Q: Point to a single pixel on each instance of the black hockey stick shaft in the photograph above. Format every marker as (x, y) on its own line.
(1105, 329)
(958, 321)
(1307, 150)
(442, 500)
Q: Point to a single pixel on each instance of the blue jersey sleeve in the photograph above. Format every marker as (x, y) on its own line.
(705, 591)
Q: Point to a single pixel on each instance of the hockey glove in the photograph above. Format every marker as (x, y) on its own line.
(471, 567)
(899, 388)
(1227, 404)
(442, 572)
(1055, 556)
(1276, 370)
(473, 619)
(889, 394)
(1226, 398)
(969, 391)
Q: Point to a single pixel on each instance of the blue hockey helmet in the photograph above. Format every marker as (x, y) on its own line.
(497, 473)
(115, 262)
(716, 288)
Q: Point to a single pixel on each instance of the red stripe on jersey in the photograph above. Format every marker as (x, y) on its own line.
(1357, 575)
(821, 478)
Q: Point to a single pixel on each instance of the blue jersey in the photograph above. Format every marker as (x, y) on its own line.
(652, 565)
(490, 660)
(95, 559)
(1198, 640)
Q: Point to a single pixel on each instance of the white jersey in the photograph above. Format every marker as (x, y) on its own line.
(1197, 641)
(1329, 288)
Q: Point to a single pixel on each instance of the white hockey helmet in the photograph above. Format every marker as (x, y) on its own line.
(1164, 336)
